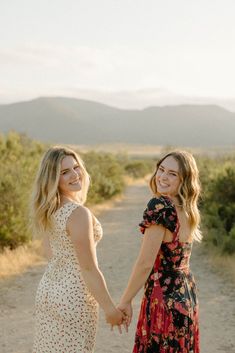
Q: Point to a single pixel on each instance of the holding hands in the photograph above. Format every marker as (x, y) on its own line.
(126, 309)
(120, 316)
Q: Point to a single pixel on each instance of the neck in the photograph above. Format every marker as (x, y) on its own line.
(175, 200)
(66, 198)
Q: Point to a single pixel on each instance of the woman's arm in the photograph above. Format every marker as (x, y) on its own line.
(148, 252)
(80, 229)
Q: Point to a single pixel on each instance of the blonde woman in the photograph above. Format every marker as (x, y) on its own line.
(168, 319)
(72, 286)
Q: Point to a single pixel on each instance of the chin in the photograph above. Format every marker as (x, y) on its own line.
(163, 192)
(77, 187)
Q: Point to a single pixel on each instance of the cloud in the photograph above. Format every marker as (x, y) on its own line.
(45, 68)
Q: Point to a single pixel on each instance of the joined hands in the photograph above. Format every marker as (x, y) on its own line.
(119, 316)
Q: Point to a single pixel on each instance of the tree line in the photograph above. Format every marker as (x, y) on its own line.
(20, 157)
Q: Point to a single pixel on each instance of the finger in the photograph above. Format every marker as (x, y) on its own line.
(127, 320)
(120, 329)
(126, 326)
(124, 322)
(124, 316)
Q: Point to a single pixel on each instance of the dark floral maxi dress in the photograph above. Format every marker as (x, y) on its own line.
(168, 319)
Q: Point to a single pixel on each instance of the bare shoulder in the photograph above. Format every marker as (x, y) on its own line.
(81, 212)
(80, 216)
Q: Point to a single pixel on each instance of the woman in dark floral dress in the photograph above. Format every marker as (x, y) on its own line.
(168, 319)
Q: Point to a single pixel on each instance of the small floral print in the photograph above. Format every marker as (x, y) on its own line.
(144, 332)
(159, 211)
(159, 207)
(167, 280)
(66, 314)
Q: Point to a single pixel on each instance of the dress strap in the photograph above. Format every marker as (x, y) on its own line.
(71, 206)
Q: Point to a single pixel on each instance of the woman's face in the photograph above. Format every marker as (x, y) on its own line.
(70, 181)
(168, 178)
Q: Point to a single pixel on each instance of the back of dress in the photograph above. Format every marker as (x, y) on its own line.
(66, 312)
(168, 320)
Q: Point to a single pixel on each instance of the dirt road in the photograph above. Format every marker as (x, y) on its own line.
(116, 254)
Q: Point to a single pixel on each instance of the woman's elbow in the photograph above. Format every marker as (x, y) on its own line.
(145, 266)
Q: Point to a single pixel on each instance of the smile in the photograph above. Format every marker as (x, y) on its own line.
(163, 184)
(75, 182)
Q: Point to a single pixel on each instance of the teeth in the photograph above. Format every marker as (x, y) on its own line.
(162, 184)
(75, 182)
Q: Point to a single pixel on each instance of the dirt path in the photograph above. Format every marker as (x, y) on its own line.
(116, 253)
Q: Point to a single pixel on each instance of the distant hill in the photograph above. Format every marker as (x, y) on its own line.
(75, 121)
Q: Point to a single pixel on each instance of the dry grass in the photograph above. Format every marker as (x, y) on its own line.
(144, 150)
(223, 264)
(104, 206)
(13, 262)
(139, 181)
(121, 148)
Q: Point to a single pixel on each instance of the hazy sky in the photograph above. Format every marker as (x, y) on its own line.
(51, 47)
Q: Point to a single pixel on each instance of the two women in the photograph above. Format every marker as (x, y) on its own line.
(66, 302)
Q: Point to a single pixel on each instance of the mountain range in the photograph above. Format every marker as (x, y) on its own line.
(77, 121)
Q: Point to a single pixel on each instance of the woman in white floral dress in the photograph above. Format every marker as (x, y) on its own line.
(72, 286)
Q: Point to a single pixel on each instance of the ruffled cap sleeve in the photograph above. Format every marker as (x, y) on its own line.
(159, 211)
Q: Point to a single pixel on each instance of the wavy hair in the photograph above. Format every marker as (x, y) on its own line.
(46, 197)
(189, 189)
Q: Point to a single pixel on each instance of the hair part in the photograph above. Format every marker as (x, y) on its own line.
(46, 197)
(189, 189)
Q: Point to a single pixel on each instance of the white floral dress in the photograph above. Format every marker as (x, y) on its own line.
(66, 313)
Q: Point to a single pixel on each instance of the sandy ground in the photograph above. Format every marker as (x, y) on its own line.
(116, 254)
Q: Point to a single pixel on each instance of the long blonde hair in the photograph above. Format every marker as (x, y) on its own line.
(45, 197)
(189, 189)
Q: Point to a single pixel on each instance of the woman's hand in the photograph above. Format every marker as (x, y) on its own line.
(115, 317)
(126, 308)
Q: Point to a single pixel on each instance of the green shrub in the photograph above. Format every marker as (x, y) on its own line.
(19, 159)
(229, 242)
(218, 204)
(107, 176)
(139, 168)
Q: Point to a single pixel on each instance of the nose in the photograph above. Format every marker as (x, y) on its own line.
(76, 172)
(164, 175)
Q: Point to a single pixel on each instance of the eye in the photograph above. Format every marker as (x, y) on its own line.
(173, 174)
(77, 169)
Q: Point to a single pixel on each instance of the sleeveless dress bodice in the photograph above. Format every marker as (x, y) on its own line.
(66, 313)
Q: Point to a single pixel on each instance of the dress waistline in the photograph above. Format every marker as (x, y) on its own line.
(185, 270)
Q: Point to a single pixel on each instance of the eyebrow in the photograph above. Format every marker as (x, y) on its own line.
(170, 170)
(65, 170)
